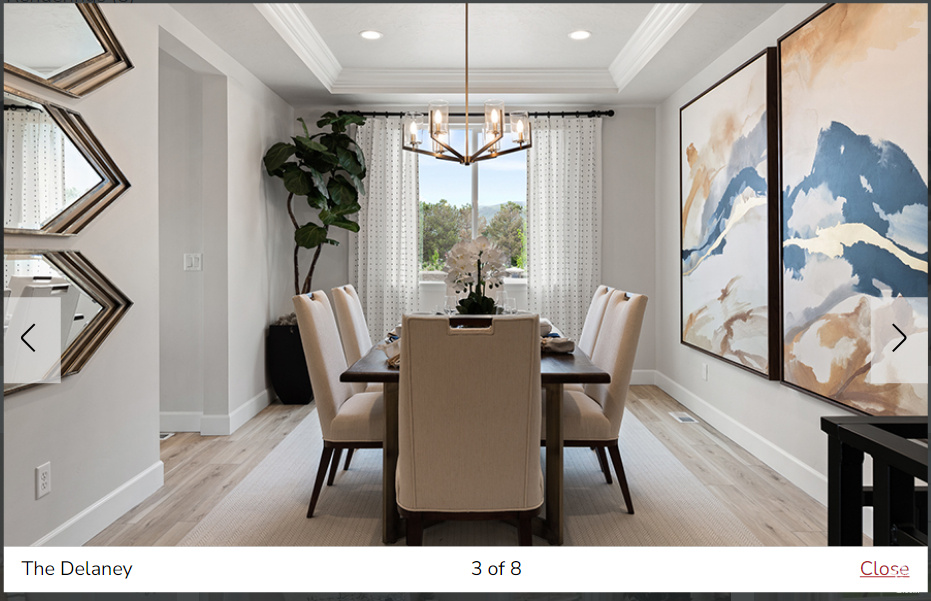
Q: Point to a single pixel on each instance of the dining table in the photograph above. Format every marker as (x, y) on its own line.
(556, 370)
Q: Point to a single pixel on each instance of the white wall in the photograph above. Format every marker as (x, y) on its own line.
(99, 428)
(627, 235)
(777, 424)
(181, 230)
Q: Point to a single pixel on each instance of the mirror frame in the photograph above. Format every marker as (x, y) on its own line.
(87, 76)
(113, 183)
(114, 305)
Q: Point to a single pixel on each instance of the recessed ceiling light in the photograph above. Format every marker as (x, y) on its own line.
(580, 34)
(370, 34)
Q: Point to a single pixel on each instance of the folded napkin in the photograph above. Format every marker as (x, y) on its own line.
(545, 326)
(392, 348)
(556, 345)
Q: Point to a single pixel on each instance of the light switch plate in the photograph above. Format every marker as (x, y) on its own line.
(193, 262)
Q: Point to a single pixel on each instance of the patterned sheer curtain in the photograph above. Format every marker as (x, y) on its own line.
(37, 192)
(564, 219)
(384, 259)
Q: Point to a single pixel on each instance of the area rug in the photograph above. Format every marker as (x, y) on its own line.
(269, 506)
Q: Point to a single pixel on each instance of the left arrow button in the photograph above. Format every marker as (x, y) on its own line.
(23, 338)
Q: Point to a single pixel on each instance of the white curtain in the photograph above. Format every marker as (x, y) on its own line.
(384, 260)
(34, 168)
(564, 219)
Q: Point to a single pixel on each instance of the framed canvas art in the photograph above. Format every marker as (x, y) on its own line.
(854, 206)
(729, 239)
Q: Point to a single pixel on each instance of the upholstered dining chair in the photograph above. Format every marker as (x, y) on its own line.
(469, 421)
(591, 417)
(355, 336)
(348, 420)
(592, 324)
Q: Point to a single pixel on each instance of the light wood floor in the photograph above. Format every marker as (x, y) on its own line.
(201, 470)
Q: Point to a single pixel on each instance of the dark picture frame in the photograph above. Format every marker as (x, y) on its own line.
(825, 355)
(766, 360)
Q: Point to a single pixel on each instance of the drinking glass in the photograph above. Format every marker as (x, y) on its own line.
(503, 301)
(451, 302)
(510, 305)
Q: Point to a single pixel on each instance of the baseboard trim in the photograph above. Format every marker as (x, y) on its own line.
(223, 425)
(179, 421)
(94, 519)
(790, 467)
(643, 377)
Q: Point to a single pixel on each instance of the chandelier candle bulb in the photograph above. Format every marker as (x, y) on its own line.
(520, 126)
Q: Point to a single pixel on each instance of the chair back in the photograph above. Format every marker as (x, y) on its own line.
(325, 359)
(469, 415)
(352, 326)
(596, 312)
(614, 352)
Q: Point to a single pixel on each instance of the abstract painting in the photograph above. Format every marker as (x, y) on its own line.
(854, 212)
(728, 217)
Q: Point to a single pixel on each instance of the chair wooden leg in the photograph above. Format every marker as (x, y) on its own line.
(348, 459)
(415, 530)
(603, 462)
(334, 466)
(525, 528)
(621, 478)
(321, 473)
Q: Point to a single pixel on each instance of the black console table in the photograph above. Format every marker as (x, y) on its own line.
(900, 510)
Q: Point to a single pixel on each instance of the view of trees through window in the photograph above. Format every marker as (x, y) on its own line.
(446, 205)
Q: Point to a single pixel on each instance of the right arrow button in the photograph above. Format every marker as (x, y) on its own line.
(904, 337)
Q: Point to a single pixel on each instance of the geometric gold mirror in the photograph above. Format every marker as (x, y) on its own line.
(86, 307)
(67, 47)
(57, 176)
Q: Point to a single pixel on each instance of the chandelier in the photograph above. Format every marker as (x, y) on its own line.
(437, 121)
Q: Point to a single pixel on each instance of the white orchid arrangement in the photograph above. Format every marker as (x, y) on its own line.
(475, 266)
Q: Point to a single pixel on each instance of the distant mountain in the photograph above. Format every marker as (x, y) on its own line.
(489, 211)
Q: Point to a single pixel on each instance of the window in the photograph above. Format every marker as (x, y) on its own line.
(494, 190)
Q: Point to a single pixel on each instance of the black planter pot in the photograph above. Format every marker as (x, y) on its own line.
(287, 368)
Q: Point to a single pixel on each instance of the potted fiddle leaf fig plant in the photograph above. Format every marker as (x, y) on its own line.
(327, 170)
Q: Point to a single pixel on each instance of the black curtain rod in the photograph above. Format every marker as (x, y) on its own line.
(18, 107)
(589, 114)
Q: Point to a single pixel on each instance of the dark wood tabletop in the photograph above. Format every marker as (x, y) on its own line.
(555, 368)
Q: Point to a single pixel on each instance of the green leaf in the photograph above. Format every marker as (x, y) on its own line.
(310, 235)
(295, 181)
(327, 217)
(341, 191)
(304, 125)
(346, 224)
(309, 145)
(359, 156)
(319, 182)
(315, 199)
(277, 155)
(356, 179)
(347, 160)
(347, 209)
(332, 241)
(326, 118)
(352, 118)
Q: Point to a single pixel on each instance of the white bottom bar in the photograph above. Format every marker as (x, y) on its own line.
(454, 569)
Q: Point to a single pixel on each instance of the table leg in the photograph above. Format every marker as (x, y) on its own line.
(391, 520)
(554, 461)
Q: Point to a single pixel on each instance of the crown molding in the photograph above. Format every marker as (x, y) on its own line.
(654, 32)
(481, 81)
(299, 33)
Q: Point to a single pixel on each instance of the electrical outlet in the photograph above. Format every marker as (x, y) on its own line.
(704, 372)
(43, 479)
